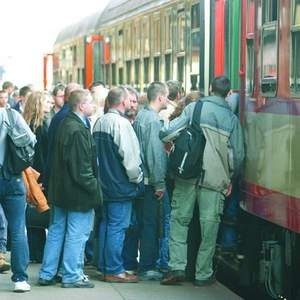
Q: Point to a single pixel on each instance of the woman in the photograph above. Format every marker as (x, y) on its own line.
(37, 108)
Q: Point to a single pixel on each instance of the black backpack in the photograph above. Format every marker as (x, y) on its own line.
(19, 150)
(186, 155)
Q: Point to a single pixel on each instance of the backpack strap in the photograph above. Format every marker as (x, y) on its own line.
(197, 114)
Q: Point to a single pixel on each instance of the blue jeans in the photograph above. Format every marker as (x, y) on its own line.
(116, 219)
(12, 199)
(67, 236)
(3, 231)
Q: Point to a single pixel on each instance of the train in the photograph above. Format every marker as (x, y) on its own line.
(256, 43)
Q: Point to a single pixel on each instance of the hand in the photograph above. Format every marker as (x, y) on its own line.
(229, 190)
(159, 194)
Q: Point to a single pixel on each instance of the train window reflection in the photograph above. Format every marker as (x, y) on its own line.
(269, 60)
(137, 71)
(250, 67)
(168, 67)
(156, 68)
(128, 72)
(146, 70)
(270, 11)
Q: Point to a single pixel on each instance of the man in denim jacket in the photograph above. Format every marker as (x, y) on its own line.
(222, 158)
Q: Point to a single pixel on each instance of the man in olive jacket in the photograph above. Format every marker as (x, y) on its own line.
(74, 192)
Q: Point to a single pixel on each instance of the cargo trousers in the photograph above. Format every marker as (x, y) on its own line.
(210, 204)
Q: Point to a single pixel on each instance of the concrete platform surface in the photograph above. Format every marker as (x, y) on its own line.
(108, 291)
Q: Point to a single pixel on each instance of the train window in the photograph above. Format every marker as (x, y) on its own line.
(295, 59)
(269, 48)
(180, 69)
(120, 44)
(114, 74)
(156, 68)
(195, 16)
(270, 11)
(146, 42)
(128, 72)
(181, 32)
(137, 71)
(168, 67)
(195, 51)
(250, 67)
(156, 36)
(120, 75)
(168, 31)
(146, 70)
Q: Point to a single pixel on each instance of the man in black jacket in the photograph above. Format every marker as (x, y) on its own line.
(74, 192)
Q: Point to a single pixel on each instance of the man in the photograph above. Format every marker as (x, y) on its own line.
(3, 99)
(222, 158)
(120, 171)
(74, 192)
(58, 95)
(174, 96)
(9, 87)
(23, 95)
(147, 126)
(13, 202)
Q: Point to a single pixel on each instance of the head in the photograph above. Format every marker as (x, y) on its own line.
(81, 101)
(220, 86)
(133, 97)
(36, 106)
(8, 87)
(72, 86)
(157, 93)
(58, 95)
(24, 93)
(175, 90)
(118, 98)
(3, 98)
(99, 93)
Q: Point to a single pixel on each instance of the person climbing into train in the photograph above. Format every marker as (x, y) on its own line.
(222, 158)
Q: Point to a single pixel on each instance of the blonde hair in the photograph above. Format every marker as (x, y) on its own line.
(34, 109)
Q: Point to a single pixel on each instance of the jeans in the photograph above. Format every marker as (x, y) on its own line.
(227, 237)
(12, 199)
(116, 219)
(149, 223)
(67, 236)
(3, 231)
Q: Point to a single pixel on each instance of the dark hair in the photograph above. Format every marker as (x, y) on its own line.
(7, 84)
(155, 89)
(175, 88)
(24, 91)
(220, 86)
(96, 83)
(57, 88)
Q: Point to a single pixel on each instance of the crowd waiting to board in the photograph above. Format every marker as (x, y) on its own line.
(103, 159)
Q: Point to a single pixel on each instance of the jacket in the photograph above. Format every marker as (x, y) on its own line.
(147, 126)
(224, 150)
(118, 155)
(73, 183)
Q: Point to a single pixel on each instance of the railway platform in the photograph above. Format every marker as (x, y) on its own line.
(143, 290)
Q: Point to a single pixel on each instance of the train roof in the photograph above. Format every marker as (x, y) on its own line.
(85, 26)
(121, 9)
(116, 10)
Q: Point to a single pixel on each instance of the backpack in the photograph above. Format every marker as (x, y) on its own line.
(19, 150)
(186, 156)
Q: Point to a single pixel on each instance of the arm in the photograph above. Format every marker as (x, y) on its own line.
(173, 129)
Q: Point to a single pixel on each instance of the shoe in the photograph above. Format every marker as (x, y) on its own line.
(84, 283)
(4, 265)
(205, 282)
(121, 278)
(21, 287)
(46, 282)
(131, 272)
(173, 277)
(150, 275)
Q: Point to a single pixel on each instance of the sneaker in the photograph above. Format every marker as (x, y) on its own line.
(150, 275)
(4, 265)
(46, 282)
(21, 287)
(205, 282)
(84, 283)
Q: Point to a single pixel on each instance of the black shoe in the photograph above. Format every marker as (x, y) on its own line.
(78, 284)
(173, 277)
(205, 282)
(46, 282)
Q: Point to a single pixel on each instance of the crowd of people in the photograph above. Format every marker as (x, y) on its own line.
(102, 155)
